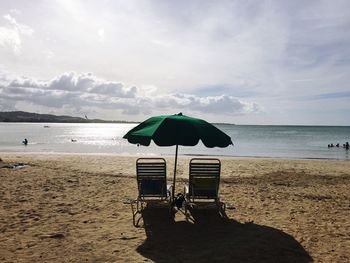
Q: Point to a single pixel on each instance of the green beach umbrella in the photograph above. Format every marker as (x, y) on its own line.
(169, 130)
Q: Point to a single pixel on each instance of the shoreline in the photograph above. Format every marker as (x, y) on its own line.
(170, 155)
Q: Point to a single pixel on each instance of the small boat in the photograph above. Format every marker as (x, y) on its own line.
(46, 126)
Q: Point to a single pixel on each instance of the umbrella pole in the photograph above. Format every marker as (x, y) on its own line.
(173, 190)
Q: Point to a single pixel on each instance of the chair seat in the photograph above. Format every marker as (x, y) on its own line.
(151, 178)
(152, 187)
(204, 179)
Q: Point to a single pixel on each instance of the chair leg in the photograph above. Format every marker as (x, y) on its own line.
(134, 213)
(222, 210)
(187, 202)
(187, 211)
(138, 205)
(170, 207)
(223, 206)
(217, 203)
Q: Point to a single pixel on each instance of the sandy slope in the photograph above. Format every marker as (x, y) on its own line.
(74, 208)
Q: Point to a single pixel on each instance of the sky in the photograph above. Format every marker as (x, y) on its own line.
(243, 62)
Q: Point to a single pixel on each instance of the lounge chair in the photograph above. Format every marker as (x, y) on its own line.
(203, 184)
(151, 183)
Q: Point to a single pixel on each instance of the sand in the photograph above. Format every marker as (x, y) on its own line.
(76, 208)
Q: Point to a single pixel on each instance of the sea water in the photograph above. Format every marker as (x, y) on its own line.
(293, 142)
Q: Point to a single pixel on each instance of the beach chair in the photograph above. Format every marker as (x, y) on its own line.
(203, 184)
(151, 183)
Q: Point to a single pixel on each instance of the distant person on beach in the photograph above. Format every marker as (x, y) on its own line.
(25, 141)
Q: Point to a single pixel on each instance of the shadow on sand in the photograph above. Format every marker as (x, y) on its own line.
(215, 239)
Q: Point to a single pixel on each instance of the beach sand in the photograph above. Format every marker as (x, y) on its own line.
(76, 208)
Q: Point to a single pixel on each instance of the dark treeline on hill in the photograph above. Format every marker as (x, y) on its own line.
(21, 116)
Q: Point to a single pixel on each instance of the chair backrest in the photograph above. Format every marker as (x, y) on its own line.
(151, 177)
(204, 178)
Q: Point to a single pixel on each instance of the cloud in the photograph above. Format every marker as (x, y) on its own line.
(11, 35)
(327, 96)
(241, 89)
(21, 28)
(75, 91)
(7, 105)
(49, 54)
(101, 34)
(89, 83)
(15, 11)
(222, 104)
(194, 55)
(10, 38)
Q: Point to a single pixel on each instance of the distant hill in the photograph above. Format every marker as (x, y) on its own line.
(22, 116)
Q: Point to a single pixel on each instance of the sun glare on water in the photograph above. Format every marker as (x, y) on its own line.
(100, 134)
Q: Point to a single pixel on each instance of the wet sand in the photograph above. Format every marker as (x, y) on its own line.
(76, 208)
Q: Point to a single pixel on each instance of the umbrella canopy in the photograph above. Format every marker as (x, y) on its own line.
(177, 130)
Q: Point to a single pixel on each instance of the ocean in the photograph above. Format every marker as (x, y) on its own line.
(291, 142)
